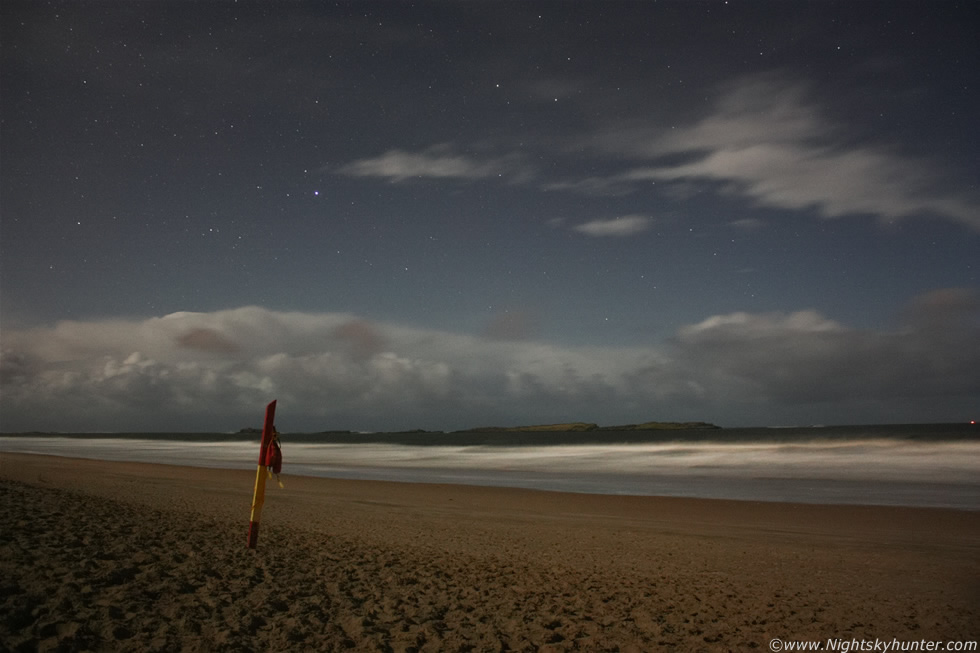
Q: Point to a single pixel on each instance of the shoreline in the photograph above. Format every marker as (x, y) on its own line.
(872, 472)
(143, 556)
(29, 466)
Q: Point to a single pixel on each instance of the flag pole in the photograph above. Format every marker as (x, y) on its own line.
(258, 497)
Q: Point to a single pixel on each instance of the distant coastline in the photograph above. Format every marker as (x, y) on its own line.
(561, 433)
(560, 428)
(588, 426)
(565, 427)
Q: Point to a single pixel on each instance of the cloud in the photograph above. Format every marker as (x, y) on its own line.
(614, 186)
(943, 306)
(748, 224)
(206, 340)
(438, 162)
(626, 225)
(335, 370)
(768, 141)
(803, 357)
(361, 337)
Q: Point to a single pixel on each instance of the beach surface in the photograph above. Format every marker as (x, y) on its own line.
(140, 557)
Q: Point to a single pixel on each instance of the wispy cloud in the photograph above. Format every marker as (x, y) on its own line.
(769, 141)
(626, 225)
(333, 370)
(439, 162)
(615, 186)
(747, 224)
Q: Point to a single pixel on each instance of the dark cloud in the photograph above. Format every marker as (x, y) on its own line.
(360, 338)
(16, 368)
(803, 358)
(207, 340)
(945, 308)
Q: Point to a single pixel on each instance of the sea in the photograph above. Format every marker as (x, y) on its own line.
(926, 465)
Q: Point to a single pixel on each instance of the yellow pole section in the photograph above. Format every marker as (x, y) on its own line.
(258, 496)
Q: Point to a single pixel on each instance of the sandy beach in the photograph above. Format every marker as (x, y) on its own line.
(138, 557)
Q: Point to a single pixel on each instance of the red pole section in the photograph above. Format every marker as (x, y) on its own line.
(258, 496)
(268, 427)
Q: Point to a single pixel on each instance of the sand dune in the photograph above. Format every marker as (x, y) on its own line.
(120, 556)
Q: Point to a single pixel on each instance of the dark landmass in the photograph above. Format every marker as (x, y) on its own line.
(562, 428)
(588, 426)
(660, 426)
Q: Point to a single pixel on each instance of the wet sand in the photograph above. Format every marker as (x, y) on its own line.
(137, 557)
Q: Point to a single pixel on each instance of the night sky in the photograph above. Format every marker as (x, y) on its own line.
(445, 215)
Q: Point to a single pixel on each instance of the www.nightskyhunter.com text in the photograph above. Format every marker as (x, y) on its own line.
(884, 645)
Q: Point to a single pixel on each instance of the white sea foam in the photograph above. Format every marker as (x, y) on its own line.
(895, 471)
